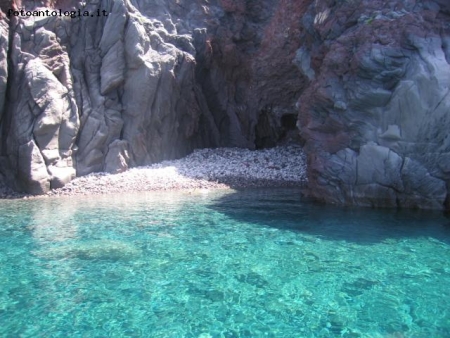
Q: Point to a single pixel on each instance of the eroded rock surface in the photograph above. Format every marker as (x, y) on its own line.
(376, 114)
(4, 42)
(363, 84)
(151, 81)
(96, 93)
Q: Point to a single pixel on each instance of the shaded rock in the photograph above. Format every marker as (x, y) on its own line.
(423, 190)
(376, 164)
(60, 176)
(245, 69)
(118, 157)
(303, 61)
(375, 118)
(32, 172)
(4, 41)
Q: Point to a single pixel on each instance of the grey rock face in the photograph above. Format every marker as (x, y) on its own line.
(139, 91)
(95, 93)
(4, 41)
(43, 120)
(152, 80)
(118, 157)
(303, 61)
(32, 170)
(376, 118)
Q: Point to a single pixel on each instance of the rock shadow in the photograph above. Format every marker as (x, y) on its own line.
(287, 210)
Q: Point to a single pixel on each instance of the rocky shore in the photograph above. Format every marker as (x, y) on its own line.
(220, 168)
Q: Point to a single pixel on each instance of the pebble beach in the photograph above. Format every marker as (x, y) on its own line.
(221, 168)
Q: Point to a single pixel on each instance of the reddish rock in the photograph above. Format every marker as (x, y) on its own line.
(367, 80)
(380, 68)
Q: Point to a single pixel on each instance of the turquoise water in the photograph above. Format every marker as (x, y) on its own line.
(261, 263)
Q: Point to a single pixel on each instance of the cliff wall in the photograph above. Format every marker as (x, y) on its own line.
(363, 84)
(152, 80)
(376, 113)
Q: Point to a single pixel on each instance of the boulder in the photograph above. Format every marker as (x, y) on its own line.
(32, 175)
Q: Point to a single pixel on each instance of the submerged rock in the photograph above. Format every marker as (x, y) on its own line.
(93, 250)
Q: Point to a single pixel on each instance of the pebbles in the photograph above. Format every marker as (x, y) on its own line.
(203, 169)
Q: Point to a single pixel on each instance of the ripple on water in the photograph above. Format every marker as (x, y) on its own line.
(235, 264)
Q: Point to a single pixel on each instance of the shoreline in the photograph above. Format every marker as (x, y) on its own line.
(204, 169)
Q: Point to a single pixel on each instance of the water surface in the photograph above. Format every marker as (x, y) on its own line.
(261, 263)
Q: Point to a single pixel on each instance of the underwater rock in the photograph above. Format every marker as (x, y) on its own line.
(93, 250)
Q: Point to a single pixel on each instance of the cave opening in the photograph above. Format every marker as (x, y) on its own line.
(270, 133)
(266, 133)
(289, 122)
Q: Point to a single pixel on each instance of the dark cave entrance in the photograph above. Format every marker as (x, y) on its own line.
(288, 129)
(266, 131)
(271, 132)
(289, 122)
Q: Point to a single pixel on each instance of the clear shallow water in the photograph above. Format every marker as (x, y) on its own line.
(261, 263)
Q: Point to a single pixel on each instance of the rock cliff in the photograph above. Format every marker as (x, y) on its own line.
(96, 93)
(376, 113)
(365, 85)
(152, 80)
